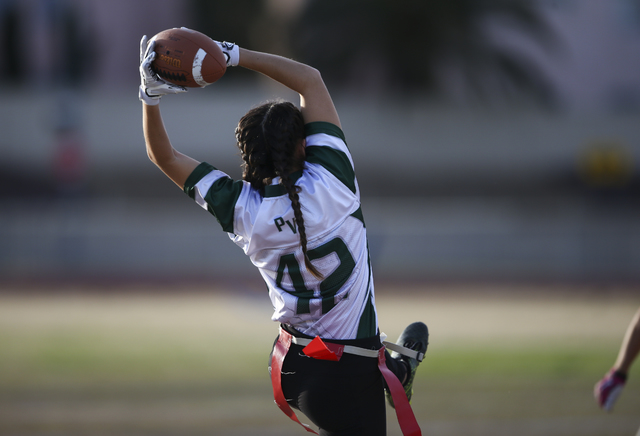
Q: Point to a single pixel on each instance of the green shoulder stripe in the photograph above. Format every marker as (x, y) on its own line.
(221, 198)
(324, 127)
(335, 161)
(196, 175)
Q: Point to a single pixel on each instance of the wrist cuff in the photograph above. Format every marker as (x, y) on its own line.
(621, 375)
(232, 51)
(144, 97)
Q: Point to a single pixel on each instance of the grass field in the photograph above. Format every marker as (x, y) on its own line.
(500, 362)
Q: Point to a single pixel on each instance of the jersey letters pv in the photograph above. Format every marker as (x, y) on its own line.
(341, 305)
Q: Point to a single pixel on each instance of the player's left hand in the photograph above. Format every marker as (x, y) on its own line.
(152, 87)
(231, 52)
(609, 388)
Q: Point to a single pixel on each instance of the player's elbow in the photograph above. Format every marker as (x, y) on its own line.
(160, 160)
(152, 156)
(314, 78)
(313, 84)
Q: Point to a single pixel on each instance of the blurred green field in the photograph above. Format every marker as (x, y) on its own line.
(128, 362)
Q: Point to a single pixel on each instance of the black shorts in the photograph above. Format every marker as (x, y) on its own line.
(341, 398)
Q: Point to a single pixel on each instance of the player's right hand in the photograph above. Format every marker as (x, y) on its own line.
(152, 87)
(609, 388)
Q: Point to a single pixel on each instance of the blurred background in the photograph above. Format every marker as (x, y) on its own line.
(494, 140)
(497, 147)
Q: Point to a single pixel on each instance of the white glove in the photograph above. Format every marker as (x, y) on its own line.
(230, 50)
(152, 87)
(609, 388)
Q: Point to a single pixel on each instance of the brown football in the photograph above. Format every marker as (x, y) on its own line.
(188, 58)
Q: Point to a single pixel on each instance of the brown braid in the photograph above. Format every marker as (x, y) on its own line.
(268, 137)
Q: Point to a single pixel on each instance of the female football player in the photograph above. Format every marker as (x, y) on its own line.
(297, 215)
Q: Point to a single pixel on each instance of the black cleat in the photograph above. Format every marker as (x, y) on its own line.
(415, 337)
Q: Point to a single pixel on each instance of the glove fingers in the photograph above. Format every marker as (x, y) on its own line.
(150, 47)
(611, 399)
(145, 69)
(150, 57)
(162, 87)
(174, 89)
(143, 47)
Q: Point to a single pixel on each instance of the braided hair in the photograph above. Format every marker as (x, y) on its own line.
(268, 137)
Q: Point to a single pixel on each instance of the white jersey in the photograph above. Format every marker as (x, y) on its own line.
(341, 305)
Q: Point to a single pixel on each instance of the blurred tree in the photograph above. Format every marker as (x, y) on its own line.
(258, 24)
(235, 21)
(76, 65)
(228, 21)
(426, 46)
(12, 61)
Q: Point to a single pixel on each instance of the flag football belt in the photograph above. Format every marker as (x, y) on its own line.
(318, 349)
(350, 349)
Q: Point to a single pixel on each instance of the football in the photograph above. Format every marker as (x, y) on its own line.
(188, 58)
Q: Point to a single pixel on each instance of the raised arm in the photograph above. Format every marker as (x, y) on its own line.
(175, 165)
(630, 347)
(315, 101)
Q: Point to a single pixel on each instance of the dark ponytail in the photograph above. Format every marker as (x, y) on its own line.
(268, 137)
